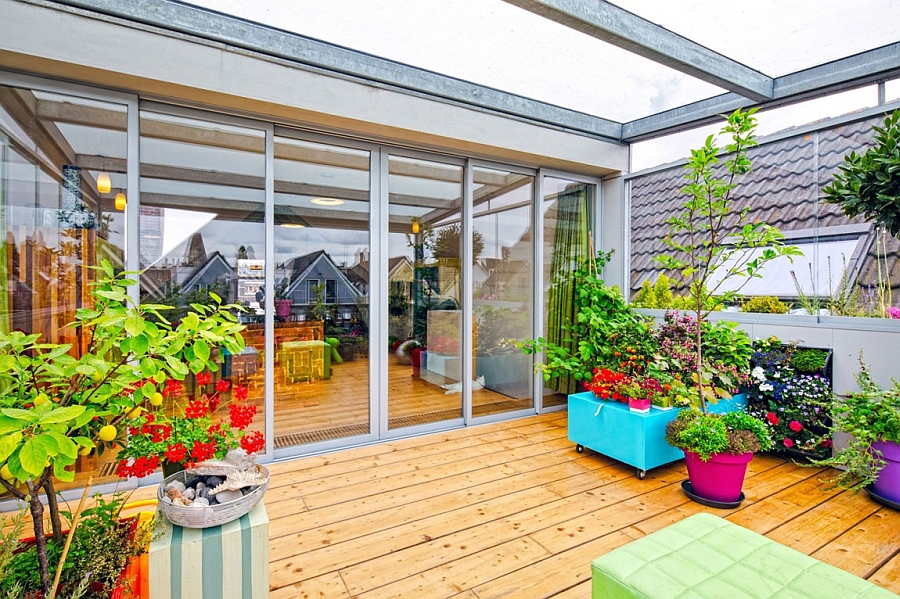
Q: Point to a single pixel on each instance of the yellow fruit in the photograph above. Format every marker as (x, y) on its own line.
(6, 473)
(83, 451)
(156, 399)
(41, 399)
(135, 412)
(107, 433)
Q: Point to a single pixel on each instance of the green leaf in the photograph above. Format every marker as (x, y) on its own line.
(66, 445)
(83, 419)
(201, 350)
(33, 456)
(140, 344)
(60, 472)
(8, 444)
(26, 415)
(62, 414)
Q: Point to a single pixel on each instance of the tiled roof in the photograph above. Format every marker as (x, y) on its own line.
(787, 175)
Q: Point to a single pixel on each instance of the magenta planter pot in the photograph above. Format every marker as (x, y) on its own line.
(887, 485)
(721, 478)
(641, 406)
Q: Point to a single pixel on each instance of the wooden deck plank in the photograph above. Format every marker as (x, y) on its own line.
(866, 547)
(888, 575)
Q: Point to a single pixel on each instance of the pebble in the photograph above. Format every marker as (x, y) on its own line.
(176, 484)
(200, 501)
(226, 496)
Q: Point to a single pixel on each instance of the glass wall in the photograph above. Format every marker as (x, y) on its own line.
(424, 291)
(202, 230)
(322, 215)
(63, 160)
(503, 287)
(566, 209)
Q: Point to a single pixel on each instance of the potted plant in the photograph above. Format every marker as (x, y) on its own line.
(56, 406)
(103, 543)
(717, 449)
(283, 300)
(871, 459)
(176, 432)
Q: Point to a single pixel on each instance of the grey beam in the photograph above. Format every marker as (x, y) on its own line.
(846, 73)
(611, 24)
(358, 66)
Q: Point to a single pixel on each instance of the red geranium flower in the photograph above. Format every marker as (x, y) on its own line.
(223, 385)
(204, 378)
(788, 442)
(772, 418)
(795, 426)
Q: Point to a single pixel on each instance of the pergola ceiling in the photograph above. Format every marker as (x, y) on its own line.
(588, 65)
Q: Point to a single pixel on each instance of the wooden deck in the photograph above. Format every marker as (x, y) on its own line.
(511, 510)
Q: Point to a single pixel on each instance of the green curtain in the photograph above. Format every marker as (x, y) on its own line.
(570, 249)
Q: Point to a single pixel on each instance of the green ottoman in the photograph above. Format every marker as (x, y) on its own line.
(706, 557)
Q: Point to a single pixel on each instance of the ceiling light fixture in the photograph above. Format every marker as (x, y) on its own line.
(103, 183)
(293, 226)
(121, 202)
(327, 201)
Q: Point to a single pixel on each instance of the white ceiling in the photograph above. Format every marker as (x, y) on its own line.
(495, 44)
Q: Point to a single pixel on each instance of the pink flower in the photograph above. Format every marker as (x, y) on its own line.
(795, 426)
(788, 442)
(894, 312)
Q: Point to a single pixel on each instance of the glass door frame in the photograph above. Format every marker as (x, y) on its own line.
(537, 231)
(595, 214)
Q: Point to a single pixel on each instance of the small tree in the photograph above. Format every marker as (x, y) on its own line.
(709, 249)
(54, 406)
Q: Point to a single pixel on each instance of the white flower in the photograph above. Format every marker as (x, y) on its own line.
(766, 387)
(758, 373)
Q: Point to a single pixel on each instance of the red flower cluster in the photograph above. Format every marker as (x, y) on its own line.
(605, 383)
(189, 432)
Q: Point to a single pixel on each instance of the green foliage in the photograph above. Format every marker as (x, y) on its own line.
(707, 434)
(446, 243)
(765, 304)
(100, 550)
(868, 184)
(10, 531)
(869, 415)
(662, 290)
(499, 330)
(281, 289)
(708, 251)
(809, 360)
(645, 297)
(604, 326)
(53, 404)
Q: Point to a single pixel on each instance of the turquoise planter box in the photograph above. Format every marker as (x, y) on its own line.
(639, 440)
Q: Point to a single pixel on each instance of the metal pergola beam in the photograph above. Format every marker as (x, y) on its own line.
(853, 71)
(359, 66)
(611, 24)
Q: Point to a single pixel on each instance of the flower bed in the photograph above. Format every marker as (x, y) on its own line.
(790, 390)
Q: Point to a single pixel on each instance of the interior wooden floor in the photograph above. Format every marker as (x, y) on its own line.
(511, 510)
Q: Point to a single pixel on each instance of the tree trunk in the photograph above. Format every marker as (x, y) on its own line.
(53, 505)
(40, 541)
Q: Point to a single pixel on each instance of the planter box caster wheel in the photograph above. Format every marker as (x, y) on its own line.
(641, 474)
(579, 448)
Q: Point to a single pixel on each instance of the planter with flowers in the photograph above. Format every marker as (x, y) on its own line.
(790, 390)
(871, 459)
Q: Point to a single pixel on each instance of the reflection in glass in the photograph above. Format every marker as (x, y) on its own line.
(424, 286)
(55, 219)
(566, 209)
(322, 292)
(202, 232)
(503, 279)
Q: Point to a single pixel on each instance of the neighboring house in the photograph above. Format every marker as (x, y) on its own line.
(782, 190)
(307, 271)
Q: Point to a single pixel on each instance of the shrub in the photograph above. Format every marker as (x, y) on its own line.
(765, 304)
(809, 360)
(645, 298)
(663, 292)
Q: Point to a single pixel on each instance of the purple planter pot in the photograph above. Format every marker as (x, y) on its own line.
(641, 406)
(721, 478)
(887, 484)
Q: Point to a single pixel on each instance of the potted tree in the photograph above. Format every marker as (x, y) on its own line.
(716, 257)
(717, 449)
(55, 405)
(871, 459)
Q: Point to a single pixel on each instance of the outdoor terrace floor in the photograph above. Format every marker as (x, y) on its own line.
(511, 510)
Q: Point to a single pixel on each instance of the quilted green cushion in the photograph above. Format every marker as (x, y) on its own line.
(706, 557)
